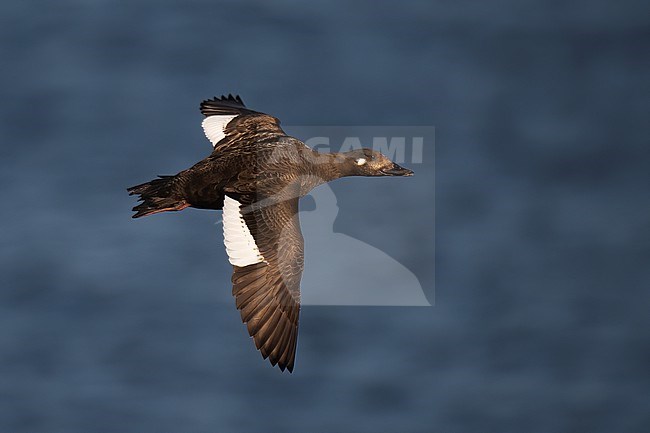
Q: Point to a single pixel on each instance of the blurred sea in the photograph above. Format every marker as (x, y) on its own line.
(542, 230)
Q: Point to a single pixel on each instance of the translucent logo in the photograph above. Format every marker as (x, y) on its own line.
(339, 269)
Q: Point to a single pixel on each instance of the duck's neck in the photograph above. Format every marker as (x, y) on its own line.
(331, 166)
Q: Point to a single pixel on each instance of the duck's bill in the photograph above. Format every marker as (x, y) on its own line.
(397, 170)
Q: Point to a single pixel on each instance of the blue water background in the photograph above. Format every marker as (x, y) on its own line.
(542, 205)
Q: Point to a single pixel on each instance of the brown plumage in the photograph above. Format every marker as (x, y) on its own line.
(261, 172)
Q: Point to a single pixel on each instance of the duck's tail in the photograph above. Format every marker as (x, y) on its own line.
(157, 196)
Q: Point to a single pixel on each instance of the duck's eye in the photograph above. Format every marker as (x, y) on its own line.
(361, 161)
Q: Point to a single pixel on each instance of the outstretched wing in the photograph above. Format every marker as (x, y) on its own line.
(228, 121)
(265, 246)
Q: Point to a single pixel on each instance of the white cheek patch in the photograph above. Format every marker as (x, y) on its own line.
(361, 161)
(214, 127)
(240, 244)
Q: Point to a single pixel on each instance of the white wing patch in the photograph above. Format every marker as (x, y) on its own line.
(240, 244)
(214, 127)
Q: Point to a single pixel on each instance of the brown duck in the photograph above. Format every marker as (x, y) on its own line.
(256, 174)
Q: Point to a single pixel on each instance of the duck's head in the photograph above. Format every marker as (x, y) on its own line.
(368, 162)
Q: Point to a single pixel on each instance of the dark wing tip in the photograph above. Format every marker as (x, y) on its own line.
(230, 99)
(272, 324)
(284, 365)
(223, 105)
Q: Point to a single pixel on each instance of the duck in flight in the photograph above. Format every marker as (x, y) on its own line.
(256, 174)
